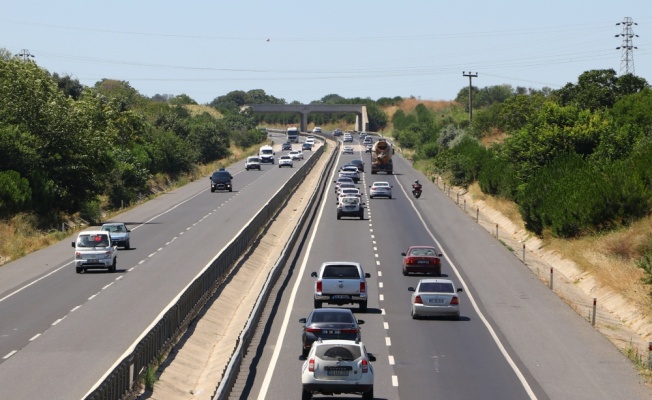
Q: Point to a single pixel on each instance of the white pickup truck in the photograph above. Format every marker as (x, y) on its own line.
(341, 282)
(94, 249)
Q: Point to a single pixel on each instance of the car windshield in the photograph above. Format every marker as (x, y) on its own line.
(381, 184)
(253, 159)
(332, 316)
(350, 200)
(221, 176)
(113, 228)
(341, 271)
(93, 241)
(436, 287)
(338, 352)
(422, 252)
(267, 151)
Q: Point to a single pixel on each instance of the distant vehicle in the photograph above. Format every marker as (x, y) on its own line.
(286, 146)
(381, 157)
(296, 155)
(285, 161)
(359, 164)
(337, 132)
(347, 138)
(435, 297)
(342, 180)
(95, 250)
(367, 148)
(252, 162)
(306, 146)
(423, 259)
(347, 150)
(380, 189)
(266, 154)
(348, 192)
(316, 130)
(367, 140)
(310, 140)
(292, 134)
(342, 186)
(363, 135)
(119, 234)
(338, 366)
(341, 282)
(350, 206)
(221, 180)
(351, 172)
(328, 324)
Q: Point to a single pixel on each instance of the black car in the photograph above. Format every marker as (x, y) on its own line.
(221, 180)
(359, 164)
(286, 146)
(329, 323)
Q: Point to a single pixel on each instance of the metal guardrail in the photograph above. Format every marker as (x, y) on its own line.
(119, 382)
(231, 373)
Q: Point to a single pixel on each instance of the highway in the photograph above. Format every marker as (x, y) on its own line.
(56, 325)
(515, 340)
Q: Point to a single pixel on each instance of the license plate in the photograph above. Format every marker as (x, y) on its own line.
(436, 301)
(337, 372)
(341, 297)
(423, 262)
(331, 331)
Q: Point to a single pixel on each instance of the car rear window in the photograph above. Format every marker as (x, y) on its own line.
(338, 352)
(341, 271)
(436, 287)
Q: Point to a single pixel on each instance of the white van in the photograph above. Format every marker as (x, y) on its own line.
(266, 154)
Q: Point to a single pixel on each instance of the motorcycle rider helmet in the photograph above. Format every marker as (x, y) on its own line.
(416, 182)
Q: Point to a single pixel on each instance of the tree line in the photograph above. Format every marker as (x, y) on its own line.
(576, 160)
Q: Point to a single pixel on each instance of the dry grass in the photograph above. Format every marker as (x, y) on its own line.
(197, 109)
(505, 207)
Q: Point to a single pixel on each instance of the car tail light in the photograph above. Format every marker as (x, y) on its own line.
(354, 330)
(409, 260)
(365, 366)
(311, 365)
(417, 300)
(437, 261)
(318, 286)
(363, 287)
(455, 300)
(313, 330)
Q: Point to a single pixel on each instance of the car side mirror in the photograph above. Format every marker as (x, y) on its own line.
(313, 274)
(367, 275)
(360, 321)
(302, 320)
(303, 358)
(410, 289)
(403, 254)
(459, 289)
(371, 357)
(440, 255)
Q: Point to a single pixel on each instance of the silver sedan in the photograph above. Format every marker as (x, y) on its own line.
(435, 298)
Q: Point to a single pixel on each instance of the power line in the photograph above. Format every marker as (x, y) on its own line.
(627, 59)
(25, 55)
(471, 76)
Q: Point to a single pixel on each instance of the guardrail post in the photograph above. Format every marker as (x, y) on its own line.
(496, 231)
(594, 309)
(649, 355)
(552, 271)
(464, 205)
(458, 199)
(477, 215)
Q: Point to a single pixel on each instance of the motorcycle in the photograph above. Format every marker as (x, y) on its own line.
(416, 191)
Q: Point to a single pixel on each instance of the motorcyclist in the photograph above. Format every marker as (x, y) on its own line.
(416, 186)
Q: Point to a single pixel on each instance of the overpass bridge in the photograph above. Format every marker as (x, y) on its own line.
(360, 111)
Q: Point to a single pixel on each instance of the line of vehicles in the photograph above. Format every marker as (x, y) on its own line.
(335, 358)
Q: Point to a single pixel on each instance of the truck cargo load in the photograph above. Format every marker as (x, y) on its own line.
(381, 157)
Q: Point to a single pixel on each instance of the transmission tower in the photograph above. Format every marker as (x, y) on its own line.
(627, 47)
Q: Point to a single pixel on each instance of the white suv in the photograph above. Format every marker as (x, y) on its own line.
(95, 250)
(252, 162)
(338, 366)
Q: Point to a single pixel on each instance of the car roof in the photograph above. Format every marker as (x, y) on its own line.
(435, 280)
(332, 309)
(356, 162)
(422, 247)
(94, 232)
(381, 183)
(337, 342)
(113, 223)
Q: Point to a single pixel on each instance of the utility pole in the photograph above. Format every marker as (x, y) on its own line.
(627, 59)
(471, 76)
(25, 54)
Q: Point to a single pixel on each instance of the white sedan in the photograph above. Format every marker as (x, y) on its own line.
(285, 161)
(347, 150)
(435, 298)
(380, 189)
(296, 155)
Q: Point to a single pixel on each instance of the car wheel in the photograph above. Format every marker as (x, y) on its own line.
(371, 197)
(279, 166)
(369, 394)
(339, 216)
(212, 190)
(362, 216)
(113, 267)
(414, 316)
(317, 304)
(79, 270)
(230, 189)
(405, 273)
(456, 317)
(127, 245)
(390, 197)
(305, 351)
(306, 395)
(363, 306)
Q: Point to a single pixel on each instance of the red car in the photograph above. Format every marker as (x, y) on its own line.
(424, 259)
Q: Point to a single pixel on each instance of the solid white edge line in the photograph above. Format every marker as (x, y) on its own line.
(491, 330)
(34, 337)
(279, 341)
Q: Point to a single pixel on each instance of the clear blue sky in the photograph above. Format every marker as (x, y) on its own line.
(304, 50)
